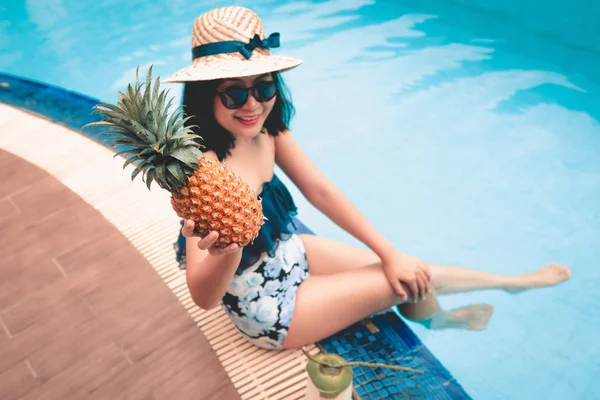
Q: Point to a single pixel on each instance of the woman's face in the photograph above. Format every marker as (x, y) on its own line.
(248, 120)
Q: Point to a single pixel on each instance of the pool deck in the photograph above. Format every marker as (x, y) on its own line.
(82, 312)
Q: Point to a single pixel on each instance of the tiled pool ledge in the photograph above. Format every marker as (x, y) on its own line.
(146, 219)
(70, 109)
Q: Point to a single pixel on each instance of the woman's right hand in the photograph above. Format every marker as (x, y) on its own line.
(207, 242)
(408, 270)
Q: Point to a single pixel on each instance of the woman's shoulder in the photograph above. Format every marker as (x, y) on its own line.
(282, 132)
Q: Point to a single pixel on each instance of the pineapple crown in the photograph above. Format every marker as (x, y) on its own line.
(141, 129)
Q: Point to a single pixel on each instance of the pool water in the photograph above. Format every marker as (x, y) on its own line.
(466, 131)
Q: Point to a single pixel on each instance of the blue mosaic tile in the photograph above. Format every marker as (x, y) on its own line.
(70, 109)
(393, 343)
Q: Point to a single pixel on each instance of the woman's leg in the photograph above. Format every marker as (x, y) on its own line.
(348, 284)
(331, 257)
(326, 304)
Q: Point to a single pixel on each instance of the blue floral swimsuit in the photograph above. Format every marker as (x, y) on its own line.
(261, 297)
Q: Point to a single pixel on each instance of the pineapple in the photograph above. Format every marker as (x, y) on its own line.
(166, 152)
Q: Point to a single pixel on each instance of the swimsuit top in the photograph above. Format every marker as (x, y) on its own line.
(279, 209)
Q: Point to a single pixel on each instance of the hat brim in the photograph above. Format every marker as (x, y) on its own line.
(224, 66)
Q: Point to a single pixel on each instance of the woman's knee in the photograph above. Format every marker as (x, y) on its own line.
(422, 310)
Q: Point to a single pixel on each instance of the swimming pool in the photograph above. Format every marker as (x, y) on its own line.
(467, 133)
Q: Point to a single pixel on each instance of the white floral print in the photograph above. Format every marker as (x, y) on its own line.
(265, 311)
(261, 300)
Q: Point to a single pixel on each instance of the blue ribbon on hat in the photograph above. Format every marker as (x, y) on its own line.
(235, 46)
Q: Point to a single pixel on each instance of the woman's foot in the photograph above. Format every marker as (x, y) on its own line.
(550, 275)
(473, 317)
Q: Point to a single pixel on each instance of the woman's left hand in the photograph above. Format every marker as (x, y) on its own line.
(402, 268)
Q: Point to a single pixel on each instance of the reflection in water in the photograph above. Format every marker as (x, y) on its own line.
(481, 139)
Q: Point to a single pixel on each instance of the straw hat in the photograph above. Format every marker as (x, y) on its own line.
(230, 42)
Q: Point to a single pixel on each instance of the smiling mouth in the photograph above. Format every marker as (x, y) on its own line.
(248, 120)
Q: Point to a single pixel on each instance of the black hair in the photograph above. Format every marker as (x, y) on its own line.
(198, 102)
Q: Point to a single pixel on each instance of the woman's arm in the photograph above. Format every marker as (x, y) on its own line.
(325, 196)
(328, 199)
(209, 270)
(208, 276)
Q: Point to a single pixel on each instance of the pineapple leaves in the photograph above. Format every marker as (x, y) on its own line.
(148, 84)
(101, 123)
(123, 142)
(142, 128)
(188, 171)
(172, 121)
(141, 166)
(162, 127)
(129, 161)
(186, 135)
(155, 92)
(149, 177)
(179, 124)
(127, 152)
(160, 176)
(147, 152)
(188, 156)
(176, 173)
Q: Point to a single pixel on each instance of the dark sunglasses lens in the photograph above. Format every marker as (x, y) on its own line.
(265, 91)
(234, 97)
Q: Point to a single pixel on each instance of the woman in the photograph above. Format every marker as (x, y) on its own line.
(289, 287)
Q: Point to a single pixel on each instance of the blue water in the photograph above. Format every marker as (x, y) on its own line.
(467, 131)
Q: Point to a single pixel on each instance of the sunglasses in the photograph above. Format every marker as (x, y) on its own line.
(235, 97)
